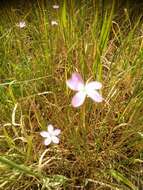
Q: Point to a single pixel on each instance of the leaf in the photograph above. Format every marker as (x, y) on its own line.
(64, 15)
(54, 182)
(120, 178)
(20, 168)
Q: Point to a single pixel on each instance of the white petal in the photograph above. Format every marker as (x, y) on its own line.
(78, 99)
(55, 6)
(75, 82)
(93, 86)
(50, 129)
(57, 132)
(55, 139)
(21, 24)
(44, 134)
(94, 95)
(53, 22)
(47, 141)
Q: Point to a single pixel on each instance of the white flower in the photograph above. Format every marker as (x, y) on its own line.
(54, 23)
(55, 6)
(21, 24)
(51, 135)
(89, 89)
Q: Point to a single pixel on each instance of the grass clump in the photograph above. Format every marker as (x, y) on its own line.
(100, 144)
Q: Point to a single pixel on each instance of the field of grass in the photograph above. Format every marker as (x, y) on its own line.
(101, 144)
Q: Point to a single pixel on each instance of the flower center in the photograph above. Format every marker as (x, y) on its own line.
(83, 89)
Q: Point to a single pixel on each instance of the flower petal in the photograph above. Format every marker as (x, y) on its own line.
(55, 6)
(47, 141)
(44, 133)
(50, 129)
(54, 23)
(94, 85)
(78, 99)
(75, 82)
(55, 140)
(56, 132)
(94, 95)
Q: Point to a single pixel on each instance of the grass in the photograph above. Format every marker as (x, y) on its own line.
(100, 144)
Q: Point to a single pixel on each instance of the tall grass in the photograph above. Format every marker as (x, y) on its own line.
(101, 144)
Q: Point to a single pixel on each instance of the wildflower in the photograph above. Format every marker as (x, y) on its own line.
(55, 6)
(21, 24)
(50, 135)
(89, 89)
(54, 23)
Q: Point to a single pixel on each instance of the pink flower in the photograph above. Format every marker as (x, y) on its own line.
(89, 89)
(51, 135)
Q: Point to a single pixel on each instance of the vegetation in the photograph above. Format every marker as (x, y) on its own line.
(101, 144)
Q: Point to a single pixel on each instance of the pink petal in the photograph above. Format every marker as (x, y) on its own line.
(55, 140)
(50, 129)
(57, 132)
(75, 82)
(44, 134)
(94, 85)
(94, 95)
(78, 99)
(47, 141)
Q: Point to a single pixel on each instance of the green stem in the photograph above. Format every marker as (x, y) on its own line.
(83, 116)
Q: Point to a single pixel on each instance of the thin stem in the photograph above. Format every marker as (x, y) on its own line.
(83, 116)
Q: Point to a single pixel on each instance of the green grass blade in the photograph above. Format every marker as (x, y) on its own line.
(120, 178)
(20, 168)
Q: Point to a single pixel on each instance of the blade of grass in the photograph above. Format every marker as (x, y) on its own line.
(121, 178)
